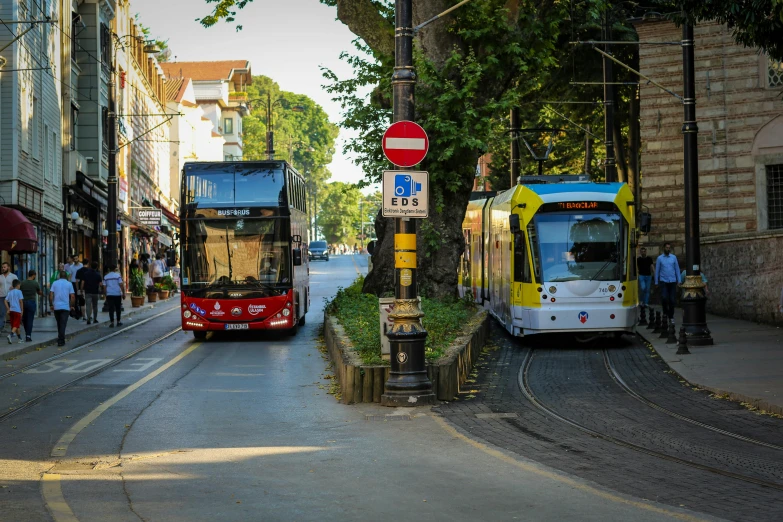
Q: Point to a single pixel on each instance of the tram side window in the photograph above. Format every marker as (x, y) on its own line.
(533, 236)
(521, 266)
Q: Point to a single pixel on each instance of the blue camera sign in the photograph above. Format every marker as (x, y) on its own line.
(405, 194)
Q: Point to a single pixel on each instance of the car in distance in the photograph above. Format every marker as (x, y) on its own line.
(318, 250)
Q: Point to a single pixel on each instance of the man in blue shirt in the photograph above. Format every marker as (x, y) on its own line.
(62, 300)
(667, 275)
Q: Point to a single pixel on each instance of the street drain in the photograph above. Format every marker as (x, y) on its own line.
(387, 417)
(490, 416)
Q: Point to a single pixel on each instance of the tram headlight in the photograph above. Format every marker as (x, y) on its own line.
(187, 314)
(286, 312)
(552, 289)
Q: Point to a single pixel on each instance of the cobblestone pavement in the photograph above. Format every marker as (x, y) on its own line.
(578, 386)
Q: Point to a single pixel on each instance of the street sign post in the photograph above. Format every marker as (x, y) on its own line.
(405, 143)
(405, 194)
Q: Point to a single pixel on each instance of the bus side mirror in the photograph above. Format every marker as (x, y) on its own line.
(297, 257)
(645, 222)
(513, 222)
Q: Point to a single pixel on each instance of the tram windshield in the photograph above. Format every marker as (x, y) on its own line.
(574, 246)
(222, 253)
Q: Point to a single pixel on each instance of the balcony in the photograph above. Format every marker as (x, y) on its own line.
(237, 97)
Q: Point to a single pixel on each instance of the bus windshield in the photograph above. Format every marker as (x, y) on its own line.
(580, 246)
(228, 185)
(222, 253)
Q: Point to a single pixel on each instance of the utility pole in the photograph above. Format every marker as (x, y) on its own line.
(694, 300)
(408, 383)
(270, 133)
(111, 207)
(610, 169)
(514, 158)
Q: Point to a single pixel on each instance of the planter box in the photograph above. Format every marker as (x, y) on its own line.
(136, 302)
(152, 297)
(364, 383)
(164, 294)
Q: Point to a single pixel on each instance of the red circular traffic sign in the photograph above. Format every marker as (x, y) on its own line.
(405, 143)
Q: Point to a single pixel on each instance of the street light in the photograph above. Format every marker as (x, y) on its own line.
(270, 133)
(111, 207)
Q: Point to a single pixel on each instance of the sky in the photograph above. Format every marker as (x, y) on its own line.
(286, 40)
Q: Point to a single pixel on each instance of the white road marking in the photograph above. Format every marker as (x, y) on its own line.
(52, 366)
(86, 366)
(152, 361)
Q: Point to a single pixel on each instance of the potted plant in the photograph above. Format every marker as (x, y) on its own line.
(137, 289)
(152, 293)
(167, 286)
(162, 290)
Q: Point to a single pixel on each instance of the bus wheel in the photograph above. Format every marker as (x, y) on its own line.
(292, 331)
(200, 336)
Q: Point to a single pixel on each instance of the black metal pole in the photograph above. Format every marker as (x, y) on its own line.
(610, 169)
(515, 159)
(408, 383)
(270, 133)
(693, 300)
(111, 208)
(634, 131)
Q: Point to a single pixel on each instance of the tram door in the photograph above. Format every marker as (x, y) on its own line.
(496, 280)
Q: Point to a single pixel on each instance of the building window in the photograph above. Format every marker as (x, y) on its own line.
(228, 126)
(774, 73)
(105, 48)
(47, 151)
(36, 132)
(775, 196)
(74, 122)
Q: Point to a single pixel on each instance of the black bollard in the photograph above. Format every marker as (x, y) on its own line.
(682, 344)
(643, 317)
(672, 337)
(657, 328)
(652, 320)
(664, 327)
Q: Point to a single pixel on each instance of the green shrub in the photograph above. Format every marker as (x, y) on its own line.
(359, 316)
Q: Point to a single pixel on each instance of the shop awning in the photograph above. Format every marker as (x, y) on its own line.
(171, 216)
(17, 234)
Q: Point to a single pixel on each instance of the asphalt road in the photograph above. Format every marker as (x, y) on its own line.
(241, 427)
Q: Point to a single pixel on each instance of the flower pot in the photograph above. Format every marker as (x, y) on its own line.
(164, 294)
(152, 297)
(137, 301)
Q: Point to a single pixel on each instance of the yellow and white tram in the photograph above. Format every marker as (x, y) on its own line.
(553, 257)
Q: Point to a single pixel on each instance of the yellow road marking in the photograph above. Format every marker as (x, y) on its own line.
(530, 468)
(355, 265)
(61, 448)
(54, 499)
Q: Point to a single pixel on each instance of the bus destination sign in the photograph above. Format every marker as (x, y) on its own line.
(577, 205)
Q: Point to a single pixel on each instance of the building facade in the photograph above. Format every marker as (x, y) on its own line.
(219, 88)
(30, 135)
(739, 109)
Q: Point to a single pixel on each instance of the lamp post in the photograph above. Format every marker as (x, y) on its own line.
(610, 168)
(270, 132)
(694, 301)
(408, 383)
(112, 182)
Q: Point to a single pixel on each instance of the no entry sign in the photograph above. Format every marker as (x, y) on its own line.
(405, 143)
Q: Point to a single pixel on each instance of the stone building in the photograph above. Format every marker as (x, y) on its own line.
(739, 110)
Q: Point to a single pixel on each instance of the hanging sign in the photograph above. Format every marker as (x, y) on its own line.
(149, 217)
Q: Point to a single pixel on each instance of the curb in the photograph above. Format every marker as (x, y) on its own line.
(760, 404)
(364, 383)
(31, 347)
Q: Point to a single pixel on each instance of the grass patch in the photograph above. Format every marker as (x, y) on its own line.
(358, 314)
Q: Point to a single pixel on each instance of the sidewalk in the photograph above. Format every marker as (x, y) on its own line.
(45, 328)
(745, 363)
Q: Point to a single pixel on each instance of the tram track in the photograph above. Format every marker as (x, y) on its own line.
(527, 392)
(87, 345)
(615, 375)
(38, 398)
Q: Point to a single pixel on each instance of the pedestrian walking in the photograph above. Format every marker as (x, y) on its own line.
(62, 300)
(645, 269)
(6, 280)
(115, 294)
(667, 275)
(31, 290)
(80, 298)
(13, 304)
(157, 269)
(91, 286)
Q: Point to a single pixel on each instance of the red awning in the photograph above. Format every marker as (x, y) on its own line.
(171, 216)
(17, 234)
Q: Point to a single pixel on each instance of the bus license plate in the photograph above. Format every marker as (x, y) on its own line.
(239, 326)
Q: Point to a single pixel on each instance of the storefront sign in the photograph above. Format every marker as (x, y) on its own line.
(149, 217)
(123, 188)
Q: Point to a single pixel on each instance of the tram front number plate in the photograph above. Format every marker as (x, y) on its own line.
(240, 326)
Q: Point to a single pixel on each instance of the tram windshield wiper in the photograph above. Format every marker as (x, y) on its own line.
(594, 277)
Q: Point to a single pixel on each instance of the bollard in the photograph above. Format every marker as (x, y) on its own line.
(665, 323)
(672, 335)
(643, 317)
(652, 320)
(682, 344)
(657, 328)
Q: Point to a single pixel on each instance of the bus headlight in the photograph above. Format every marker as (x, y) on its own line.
(187, 314)
(286, 312)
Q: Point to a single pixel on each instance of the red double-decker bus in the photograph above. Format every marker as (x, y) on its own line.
(243, 243)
